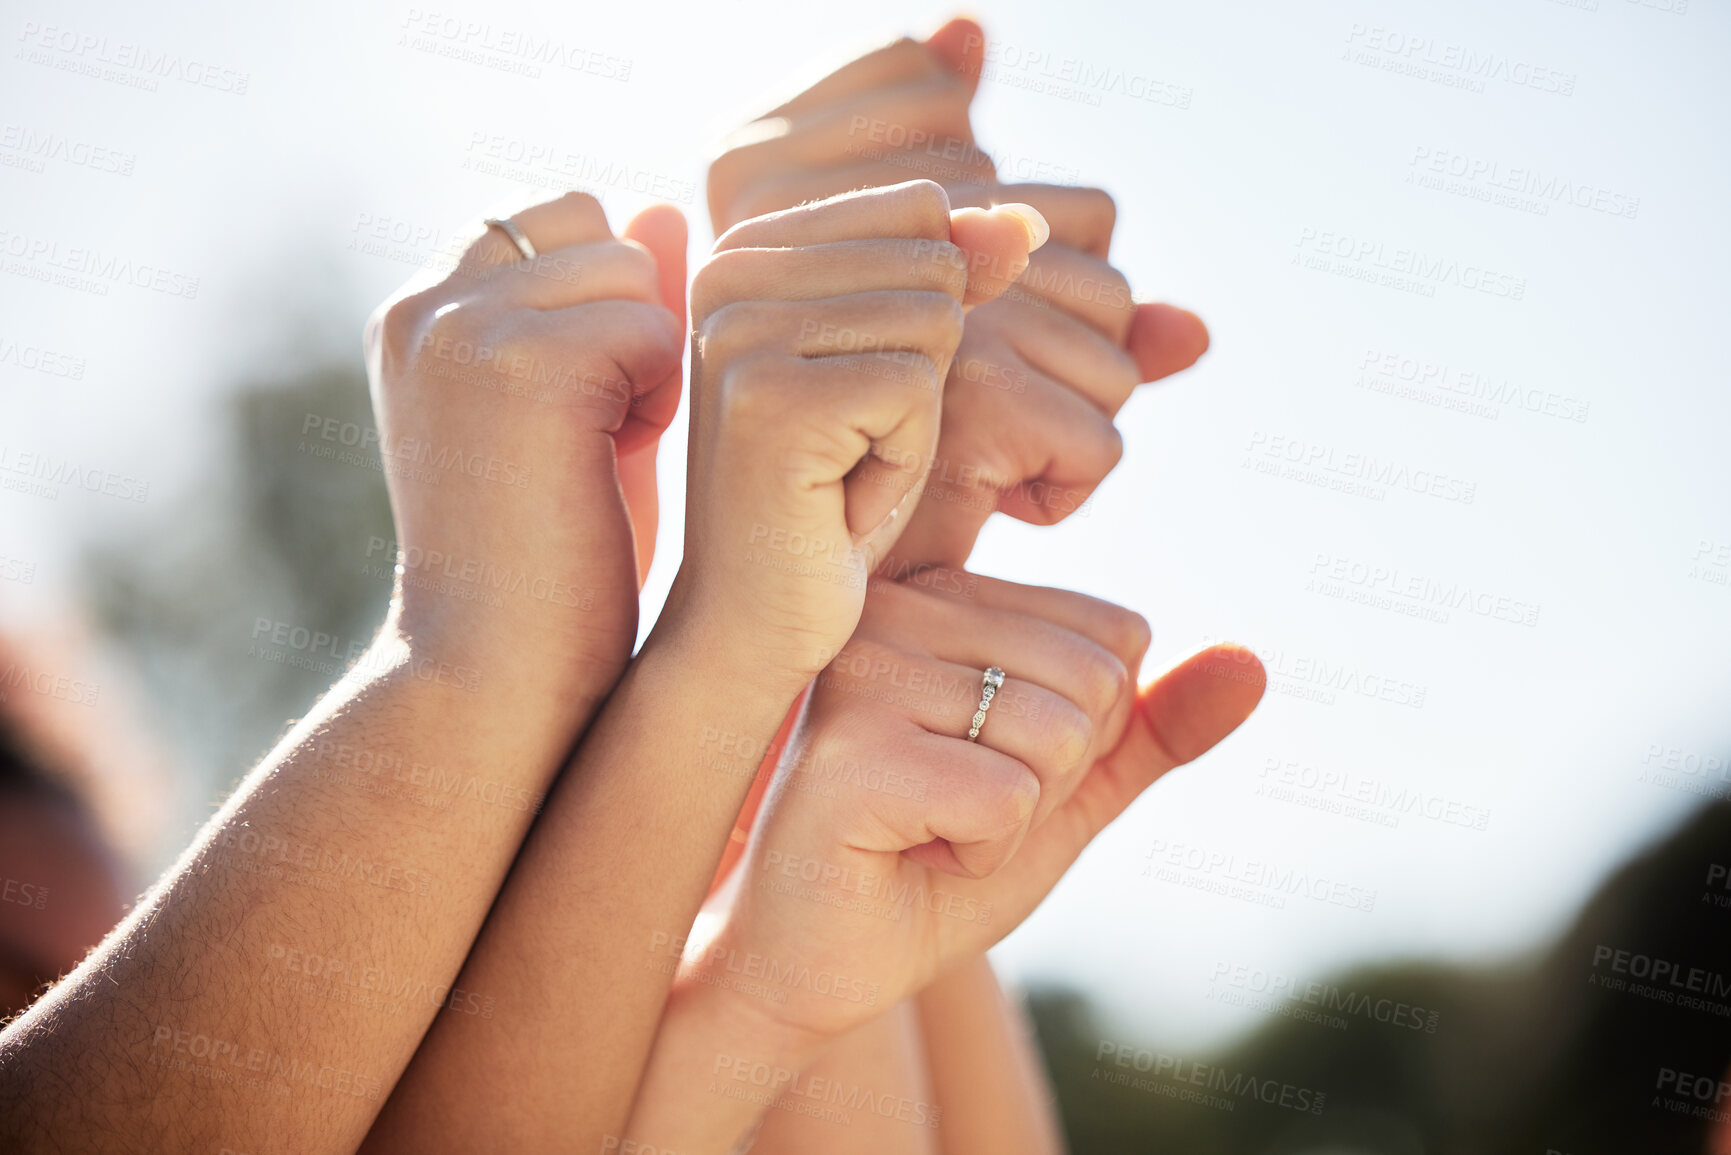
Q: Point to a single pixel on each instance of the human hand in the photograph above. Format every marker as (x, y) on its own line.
(890, 848)
(509, 394)
(823, 337)
(1038, 379)
(1041, 371)
(898, 113)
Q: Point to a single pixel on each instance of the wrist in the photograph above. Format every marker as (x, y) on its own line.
(505, 689)
(719, 643)
(718, 1065)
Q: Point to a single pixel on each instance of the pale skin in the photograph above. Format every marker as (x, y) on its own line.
(268, 992)
(893, 892)
(790, 428)
(1026, 414)
(435, 637)
(456, 1055)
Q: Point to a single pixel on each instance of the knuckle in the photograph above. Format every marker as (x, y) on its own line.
(1012, 805)
(729, 327)
(948, 320)
(1130, 633)
(716, 283)
(923, 209)
(1099, 205)
(947, 266)
(1066, 731)
(1103, 677)
(578, 201)
(751, 392)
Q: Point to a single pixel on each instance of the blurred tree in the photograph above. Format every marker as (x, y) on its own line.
(1533, 1057)
(279, 534)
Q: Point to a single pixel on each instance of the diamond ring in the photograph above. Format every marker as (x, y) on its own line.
(989, 687)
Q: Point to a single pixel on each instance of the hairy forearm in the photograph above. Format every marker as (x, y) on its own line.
(985, 1072)
(268, 992)
(585, 937)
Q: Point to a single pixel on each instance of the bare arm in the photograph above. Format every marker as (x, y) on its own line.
(953, 1070)
(266, 995)
(782, 533)
(985, 1069)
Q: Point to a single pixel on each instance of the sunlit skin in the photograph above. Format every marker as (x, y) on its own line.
(792, 503)
(165, 1038)
(1027, 431)
(873, 375)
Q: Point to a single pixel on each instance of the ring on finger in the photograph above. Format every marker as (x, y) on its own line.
(509, 227)
(989, 687)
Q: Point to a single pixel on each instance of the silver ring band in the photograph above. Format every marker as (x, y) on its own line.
(989, 687)
(509, 227)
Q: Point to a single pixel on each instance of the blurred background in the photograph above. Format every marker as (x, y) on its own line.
(1455, 467)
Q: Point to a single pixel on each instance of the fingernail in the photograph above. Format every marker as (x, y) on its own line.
(868, 539)
(1038, 230)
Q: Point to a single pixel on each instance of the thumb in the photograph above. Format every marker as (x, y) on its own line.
(1164, 339)
(661, 230)
(1179, 717)
(996, 243)
(961, 44)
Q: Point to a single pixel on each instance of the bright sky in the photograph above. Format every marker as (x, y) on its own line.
(1455, 466)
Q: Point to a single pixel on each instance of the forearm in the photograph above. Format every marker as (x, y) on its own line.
(986, 1075)
(269, 991)
(868, 1093)
(585, 938)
